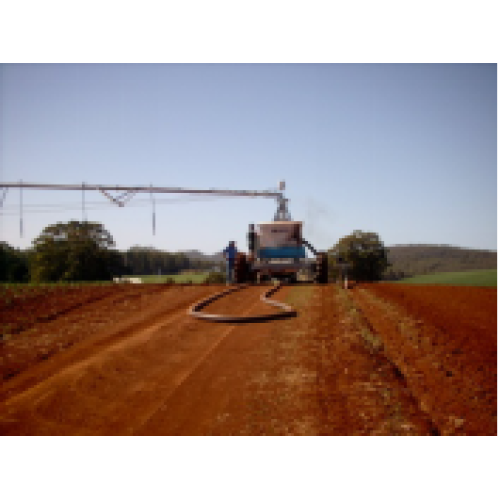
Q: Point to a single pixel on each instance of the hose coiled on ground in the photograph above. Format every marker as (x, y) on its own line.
(286, 312)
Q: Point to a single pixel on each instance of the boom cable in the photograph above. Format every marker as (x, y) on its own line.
(154, 211)
(4, 195)
(21, 209)
(100, 205)
(84, 214)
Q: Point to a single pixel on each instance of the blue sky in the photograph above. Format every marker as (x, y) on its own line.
(404, 150)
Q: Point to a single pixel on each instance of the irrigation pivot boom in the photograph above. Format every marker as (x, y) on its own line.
(278, 249)
(127, 192)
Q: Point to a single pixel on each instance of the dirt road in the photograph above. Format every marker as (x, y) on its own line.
(170, 374)
(338, 368)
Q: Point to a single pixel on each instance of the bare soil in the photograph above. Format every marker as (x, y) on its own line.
(134, 362)
(443, 339)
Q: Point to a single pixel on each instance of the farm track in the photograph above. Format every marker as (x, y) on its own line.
(319, 376)
(343, 366)
(120, 382)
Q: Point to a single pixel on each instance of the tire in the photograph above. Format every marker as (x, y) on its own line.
(241, 268)
(252, 277)
(321, 268)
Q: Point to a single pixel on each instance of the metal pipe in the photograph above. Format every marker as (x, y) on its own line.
(308, 245)
(145, 189)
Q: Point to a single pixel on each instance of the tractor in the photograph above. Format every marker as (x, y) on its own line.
(277, 250)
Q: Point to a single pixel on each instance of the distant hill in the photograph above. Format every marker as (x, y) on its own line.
(414, 260)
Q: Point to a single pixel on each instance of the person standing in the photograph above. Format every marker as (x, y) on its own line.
(230, 253)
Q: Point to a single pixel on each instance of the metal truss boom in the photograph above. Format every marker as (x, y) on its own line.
(129, 191)
(141, 189)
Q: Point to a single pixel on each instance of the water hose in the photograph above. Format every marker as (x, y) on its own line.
(308, 245)
(286, 312)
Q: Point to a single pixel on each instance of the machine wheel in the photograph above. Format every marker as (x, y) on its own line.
(252, 277)
(241, 268)
(321, 268)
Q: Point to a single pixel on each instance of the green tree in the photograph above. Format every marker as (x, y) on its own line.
(14, 264)
(365, 253)
(74, 251)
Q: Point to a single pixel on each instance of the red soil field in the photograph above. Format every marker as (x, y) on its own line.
(444, 341)
(130, 360)
(22, 307)
(52, 318)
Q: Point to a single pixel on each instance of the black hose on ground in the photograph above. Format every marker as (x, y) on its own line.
(287, 311)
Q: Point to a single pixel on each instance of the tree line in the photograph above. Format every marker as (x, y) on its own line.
(84, 251)
(147, 260)
(14, 264)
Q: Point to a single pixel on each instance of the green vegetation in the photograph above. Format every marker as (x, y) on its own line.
(14, 264)
(215, 278)
(466, 278)
(374, 342)
(364, 252)
(194, 278)
(74, 251)
(147, 261)
(83, 252)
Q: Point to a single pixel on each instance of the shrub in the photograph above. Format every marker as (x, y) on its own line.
(215, 278)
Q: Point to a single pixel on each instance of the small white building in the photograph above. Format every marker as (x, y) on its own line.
(128, 279)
